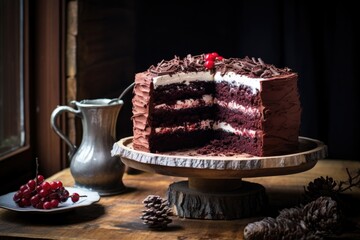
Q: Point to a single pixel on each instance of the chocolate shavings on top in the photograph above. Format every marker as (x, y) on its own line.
(244, 66)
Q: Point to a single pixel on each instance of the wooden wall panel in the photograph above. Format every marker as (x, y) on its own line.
(105, 53)
(47, 76)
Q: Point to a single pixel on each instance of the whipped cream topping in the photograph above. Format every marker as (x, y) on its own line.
(237, 80)
(182, 77)
(237, 71)
(230, 77)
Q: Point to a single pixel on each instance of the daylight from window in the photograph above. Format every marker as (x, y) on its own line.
(12, 132)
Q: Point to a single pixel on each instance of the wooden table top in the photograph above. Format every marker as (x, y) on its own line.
(118, 216)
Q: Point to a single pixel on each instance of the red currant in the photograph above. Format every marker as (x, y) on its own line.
(39, 179)
(17, 196)
(40, 205)
(31, 184)
(209, 57)
(54, 203)
(46, 186)
(65, 193)
(35, 200)
(59, 184)
(54, 195)
(75, 197)
(214, 55)
(47, 205)
(53, 185)
(43, 193)
(25, 202)
(21, 203)
(27, 193)
(38, 188)
(209, 64)
(23, 187)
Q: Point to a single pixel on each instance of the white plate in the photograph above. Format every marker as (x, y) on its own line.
(7, 202)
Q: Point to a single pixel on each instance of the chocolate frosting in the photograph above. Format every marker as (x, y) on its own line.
(251, 67)
(284, 81)
(282, 113)
(140, 109)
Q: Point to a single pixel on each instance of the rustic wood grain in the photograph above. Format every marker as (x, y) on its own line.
(118, 217)
(187, 163)
(247, 201)
(213, 190)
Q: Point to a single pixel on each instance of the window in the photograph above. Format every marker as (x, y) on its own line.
(15, 150)
(31, 70)
(12, 112)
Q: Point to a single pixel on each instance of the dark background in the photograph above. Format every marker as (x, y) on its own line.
(319, 41)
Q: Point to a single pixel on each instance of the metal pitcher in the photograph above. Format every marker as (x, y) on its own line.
(91, 164)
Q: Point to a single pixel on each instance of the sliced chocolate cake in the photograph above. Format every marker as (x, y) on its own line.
(219, 105)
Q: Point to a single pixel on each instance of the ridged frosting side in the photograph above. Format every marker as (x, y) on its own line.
(140, 102)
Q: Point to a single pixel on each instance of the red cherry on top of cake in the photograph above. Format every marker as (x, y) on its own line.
(210, 59)
(209, 64)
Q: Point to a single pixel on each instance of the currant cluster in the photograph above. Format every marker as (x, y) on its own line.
(210, 59)
(42, 194)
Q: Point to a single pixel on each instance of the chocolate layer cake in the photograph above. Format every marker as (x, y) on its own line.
(217, 105)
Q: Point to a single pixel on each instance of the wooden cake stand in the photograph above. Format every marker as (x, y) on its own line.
(215, 189)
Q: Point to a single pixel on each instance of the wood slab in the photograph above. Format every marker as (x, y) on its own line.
(118, 216)
(247, 201)
(188, 163)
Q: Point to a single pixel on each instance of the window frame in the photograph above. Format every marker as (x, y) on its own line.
(44, 89)
(10, 170)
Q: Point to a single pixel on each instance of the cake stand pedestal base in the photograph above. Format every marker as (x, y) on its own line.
(216, 198)
(214, 189)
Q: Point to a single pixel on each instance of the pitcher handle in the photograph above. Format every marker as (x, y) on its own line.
(54, 115)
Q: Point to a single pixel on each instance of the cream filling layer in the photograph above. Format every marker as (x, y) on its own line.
(231, 77)
(232, 105)
(237, 131)
(204, 124)
(208, 124)
(207, 100)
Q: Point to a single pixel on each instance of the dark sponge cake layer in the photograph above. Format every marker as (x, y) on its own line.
(242, 94)
(225, 142)
(171, 93)
(208, 140)
(179, 140)
(237, 119)
(172, 117)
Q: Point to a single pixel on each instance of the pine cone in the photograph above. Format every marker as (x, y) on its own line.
(278, 229)
(157, 213)
(313, 221)
(321, 187)
(293, 214)
(322, 215)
